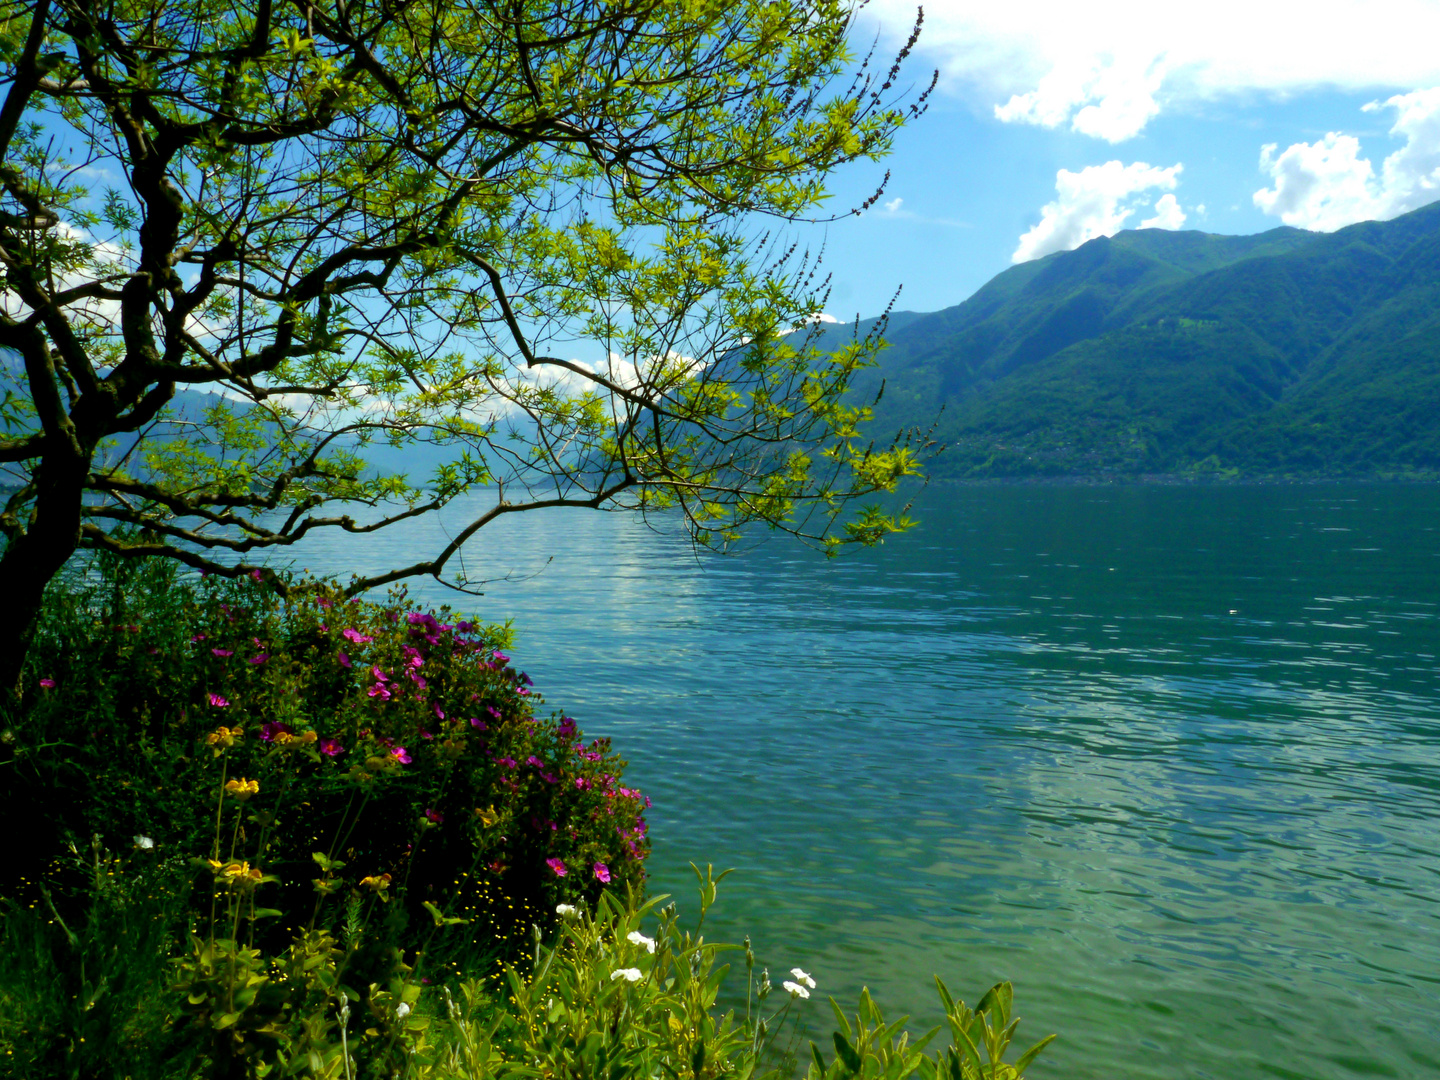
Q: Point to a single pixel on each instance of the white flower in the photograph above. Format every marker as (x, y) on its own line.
(401, 1011)
(144, 842)
(796, 990)
(565, 911)
(635, 937)
(628, 974)
(802, 978)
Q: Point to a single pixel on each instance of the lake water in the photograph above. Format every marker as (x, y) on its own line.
(1166, 758)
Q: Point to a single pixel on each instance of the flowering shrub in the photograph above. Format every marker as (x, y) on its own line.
(400, 743)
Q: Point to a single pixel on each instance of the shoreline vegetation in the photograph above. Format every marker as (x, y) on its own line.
(334, 838)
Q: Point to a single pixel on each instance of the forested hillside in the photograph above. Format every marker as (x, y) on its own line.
(1283, 353)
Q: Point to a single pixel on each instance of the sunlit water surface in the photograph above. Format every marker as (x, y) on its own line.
(1166, 758)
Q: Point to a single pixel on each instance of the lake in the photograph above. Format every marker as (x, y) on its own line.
(1168, 758)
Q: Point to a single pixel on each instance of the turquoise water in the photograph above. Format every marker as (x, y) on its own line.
(1167, 758)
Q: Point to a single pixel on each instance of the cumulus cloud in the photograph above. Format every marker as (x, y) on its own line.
(1327, 184)
(1097, 201)
(1168, 214)
(1108, 67)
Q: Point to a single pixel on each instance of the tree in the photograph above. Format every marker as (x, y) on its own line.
(247, 242)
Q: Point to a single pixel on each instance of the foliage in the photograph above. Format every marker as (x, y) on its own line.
(380, 742)
(1286, 353)
(618, 990)
(523, 232)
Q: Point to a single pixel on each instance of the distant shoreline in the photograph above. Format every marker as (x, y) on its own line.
(1186, 480)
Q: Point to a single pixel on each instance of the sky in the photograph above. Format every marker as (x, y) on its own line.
(1055, 122)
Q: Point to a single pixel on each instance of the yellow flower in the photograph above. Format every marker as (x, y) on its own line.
(242, 789)
(223, 738)
(487, 816)
(378, 884)
(241, 874)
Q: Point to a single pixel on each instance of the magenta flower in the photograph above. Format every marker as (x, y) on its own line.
(223, 652)
(345, 661)
(558, 865)
(47, 684)
(493, 711)
(354, 635)
(197, 637)
(255, 574)
(401, 755)
(380, 676)
(602, 873)
(566, 727)
(584, 783)
(465, 627)
(533, 760)
(331, 747)
(508, 762)
(476, 722)
(324, 602)
(379, 690)
(434, 817)
(269, 730)
(219, 702)
(259, 659)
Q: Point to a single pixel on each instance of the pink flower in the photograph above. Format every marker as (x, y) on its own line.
(324, 602)
(434, 817)
(558, 865)
(331, 747)
(47, 684)
(260, 659)
(493, 711)
(602, 873)
(380, 676)
(223, 652)
(439, 712)
(354, 635)
(345, 661)
(476, 722)
(219, 702)
(379, 690)
(401, 755)
(255, 574)
(533, 760)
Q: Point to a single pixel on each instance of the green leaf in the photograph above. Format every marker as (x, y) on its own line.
(1031, 1054)
(847, 1053)
(819, 1061)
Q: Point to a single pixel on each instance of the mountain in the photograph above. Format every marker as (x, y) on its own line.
(1283, 353)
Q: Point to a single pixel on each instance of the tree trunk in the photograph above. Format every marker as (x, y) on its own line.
(35, 556)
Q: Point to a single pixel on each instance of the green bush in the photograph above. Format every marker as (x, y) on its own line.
(619, 991)
(401, 743)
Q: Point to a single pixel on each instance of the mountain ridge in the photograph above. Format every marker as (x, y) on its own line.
(1281, 353)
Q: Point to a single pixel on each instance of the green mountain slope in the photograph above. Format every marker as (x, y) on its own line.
(1163, 352)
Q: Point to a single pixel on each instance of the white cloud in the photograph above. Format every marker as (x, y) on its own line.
(1168, 214)
(892, 205)
(1106, 68)
(1326, 184)
(1096, 201)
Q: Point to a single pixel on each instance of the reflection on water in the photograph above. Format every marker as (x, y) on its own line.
(1167, 758)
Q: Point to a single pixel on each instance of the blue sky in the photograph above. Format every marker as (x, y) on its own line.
(1056, 122)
